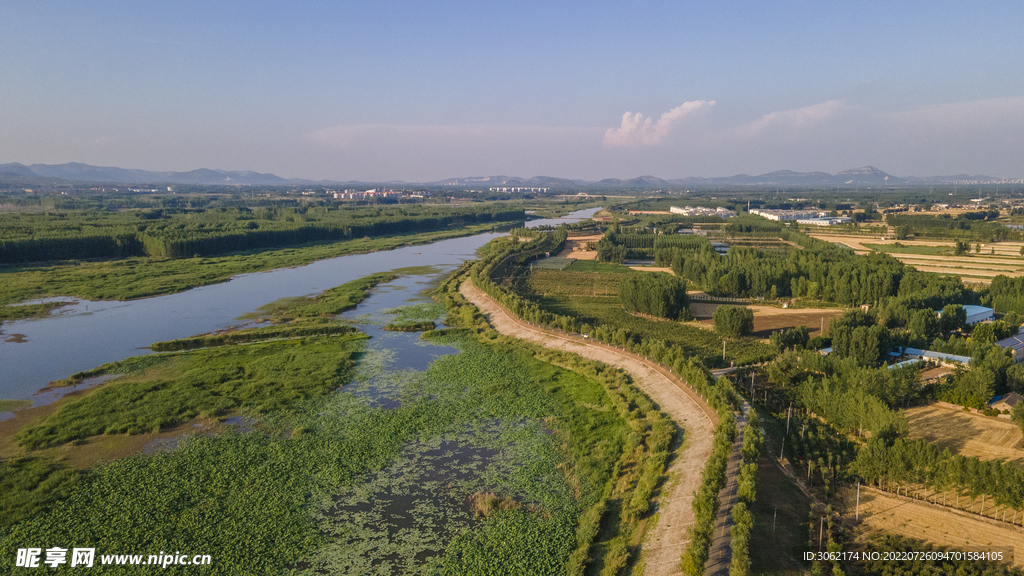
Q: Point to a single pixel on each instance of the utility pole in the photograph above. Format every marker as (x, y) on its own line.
(858, 499)
(789, 412)
(776, 515)
(723, 349)
(821, 532)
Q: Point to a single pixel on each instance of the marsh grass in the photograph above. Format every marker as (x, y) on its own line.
(410, 326)
(10, 405)
(8, 313)
(424, 311)
(326, 304)
(296, 329)
(259, 378)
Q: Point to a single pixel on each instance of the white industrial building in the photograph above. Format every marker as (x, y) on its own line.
(976, 314)
(824, 221)
(782, 215)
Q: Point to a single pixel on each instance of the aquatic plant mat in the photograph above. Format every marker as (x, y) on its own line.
(487, 462)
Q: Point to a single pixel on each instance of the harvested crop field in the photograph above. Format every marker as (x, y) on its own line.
(938, 256)
(576, 248)
(967, 433)
(768, 319)
(654, 269)
(936, 524)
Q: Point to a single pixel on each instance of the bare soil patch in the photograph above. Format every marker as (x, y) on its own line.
(664, 542)
(768, 319)
(967, 433)
(654, 269)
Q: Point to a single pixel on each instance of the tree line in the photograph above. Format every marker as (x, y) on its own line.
(219, 231)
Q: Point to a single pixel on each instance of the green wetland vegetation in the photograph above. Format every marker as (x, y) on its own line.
(491, 461)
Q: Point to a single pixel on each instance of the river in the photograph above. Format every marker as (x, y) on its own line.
(87, 334)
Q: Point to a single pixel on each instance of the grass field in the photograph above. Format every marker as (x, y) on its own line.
(967, 433)
(564, 282)
(551, 263)
(780, 523)
(595, 266)
(703, 344)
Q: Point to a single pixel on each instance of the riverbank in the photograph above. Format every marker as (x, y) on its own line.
(133, 278)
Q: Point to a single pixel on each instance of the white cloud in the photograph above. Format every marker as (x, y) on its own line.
(636, 131)
(792, 122)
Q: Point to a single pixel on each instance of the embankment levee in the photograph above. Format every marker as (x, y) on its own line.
(664, 543)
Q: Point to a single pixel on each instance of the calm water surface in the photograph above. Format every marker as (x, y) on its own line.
(88, 334)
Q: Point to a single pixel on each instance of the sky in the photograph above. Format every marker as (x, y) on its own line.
(421, 91)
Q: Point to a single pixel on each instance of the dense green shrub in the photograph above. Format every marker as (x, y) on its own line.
(733, 321)
(655, 294)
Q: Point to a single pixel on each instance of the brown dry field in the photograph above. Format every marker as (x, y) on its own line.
(980, 259)
(967, 433)
(973, 268)
(937, 524)
(1012, 248)
(653, 269)
(768, 319)
(575, 248)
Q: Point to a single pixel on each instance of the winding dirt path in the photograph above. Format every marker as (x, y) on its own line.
(663, 544)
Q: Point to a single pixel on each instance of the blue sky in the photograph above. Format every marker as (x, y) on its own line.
(422, 91)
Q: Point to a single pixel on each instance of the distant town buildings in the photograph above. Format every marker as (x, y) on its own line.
(371, 194)
(803, 217)
(517, 189)
(702, 211)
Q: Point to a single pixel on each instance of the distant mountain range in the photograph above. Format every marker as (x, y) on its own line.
(867, 176)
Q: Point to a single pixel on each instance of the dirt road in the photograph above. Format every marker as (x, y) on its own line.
(720, 554)
(664, 543)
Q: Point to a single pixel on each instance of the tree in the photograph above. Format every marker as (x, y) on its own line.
(954, 317)
(1018, 414)
(733, 321)
(655, 294)
(984, 332)
(792, 338)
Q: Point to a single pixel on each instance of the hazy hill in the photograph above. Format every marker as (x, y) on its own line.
(867, 176)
